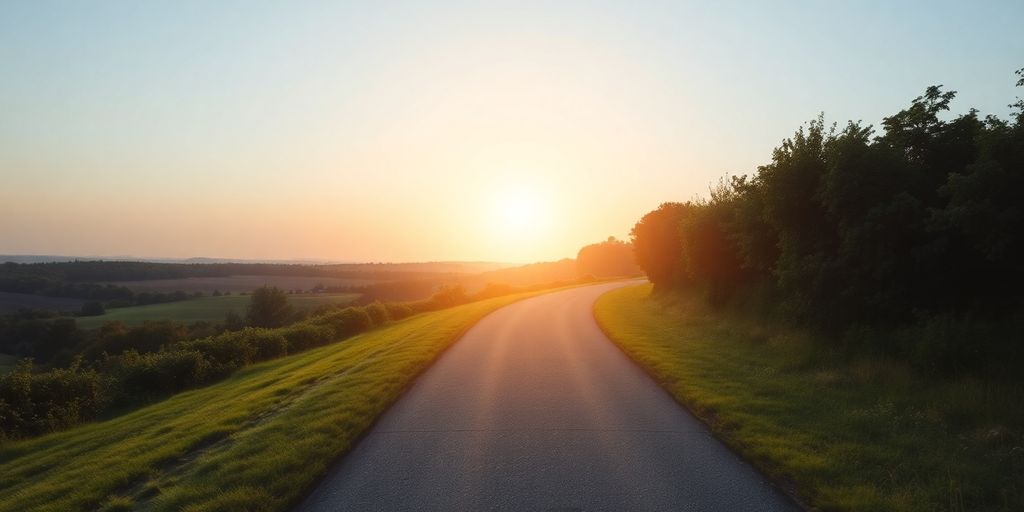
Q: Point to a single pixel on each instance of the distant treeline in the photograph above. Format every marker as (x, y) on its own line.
(112, 295)
(101, 271)
(907, 242)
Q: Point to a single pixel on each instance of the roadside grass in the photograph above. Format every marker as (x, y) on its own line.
(865, 434)
(257, 441)
(209, 309)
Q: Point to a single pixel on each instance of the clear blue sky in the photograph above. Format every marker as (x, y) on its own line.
(435, 130)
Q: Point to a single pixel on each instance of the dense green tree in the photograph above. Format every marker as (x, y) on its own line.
(657, 243)
(268, 307)
(611, 258)
(918, 227)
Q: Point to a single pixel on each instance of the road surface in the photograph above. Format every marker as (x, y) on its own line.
(534, 409)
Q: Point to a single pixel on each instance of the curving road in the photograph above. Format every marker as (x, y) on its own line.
(534, 409)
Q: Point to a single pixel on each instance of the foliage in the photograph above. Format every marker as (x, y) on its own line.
(847, 231)
(656, 240)
(268, 307)
(611, 258)
(33, 403)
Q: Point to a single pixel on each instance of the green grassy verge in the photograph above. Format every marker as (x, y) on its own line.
(204, 309)
(256, 441)
(846, 435)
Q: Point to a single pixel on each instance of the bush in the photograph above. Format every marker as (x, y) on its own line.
(448, 296)
(266, 344)
(35, 403)
(346, 322)
(378, 312)
(226, 351)
(140, 376)
(399, 310)
(305, 336)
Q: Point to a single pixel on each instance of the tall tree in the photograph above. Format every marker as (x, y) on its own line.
(268, 307)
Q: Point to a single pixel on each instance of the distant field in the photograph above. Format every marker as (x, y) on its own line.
(235, 284)
(209, 309)
(11, 302)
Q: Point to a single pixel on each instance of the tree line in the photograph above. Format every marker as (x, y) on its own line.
(99, 271)
(906, 241)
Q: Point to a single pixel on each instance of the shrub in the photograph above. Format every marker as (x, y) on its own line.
(157, 373)
(226, 351)
(33, 403)
(266, 344)
(448, 296)
(346, 322)
(306, 336)
(378, 312)
(399, 310)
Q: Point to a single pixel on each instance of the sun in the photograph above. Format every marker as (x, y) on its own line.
(519, 212)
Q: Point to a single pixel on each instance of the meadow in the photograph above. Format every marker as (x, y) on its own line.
(840, 433)
(205, 309)
(257, 441)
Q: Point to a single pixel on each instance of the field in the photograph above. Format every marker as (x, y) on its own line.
(209, 309)
(236, 284)
(11, 302)
(865, 434)
(257, 441)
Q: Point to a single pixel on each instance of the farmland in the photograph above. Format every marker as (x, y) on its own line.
(205, 309)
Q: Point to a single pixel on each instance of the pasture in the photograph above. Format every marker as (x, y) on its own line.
(205, 309)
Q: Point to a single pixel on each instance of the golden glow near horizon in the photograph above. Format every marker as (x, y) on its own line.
(361, 131)
(520, 213)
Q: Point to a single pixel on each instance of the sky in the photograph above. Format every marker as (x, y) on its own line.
(424, 131)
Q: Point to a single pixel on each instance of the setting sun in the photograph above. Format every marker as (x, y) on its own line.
(519, 212)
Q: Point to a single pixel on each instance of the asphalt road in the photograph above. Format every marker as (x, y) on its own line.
(534, 409)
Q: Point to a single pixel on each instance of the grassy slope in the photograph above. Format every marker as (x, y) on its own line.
(257, 441)
(863, 435)
(210, 309)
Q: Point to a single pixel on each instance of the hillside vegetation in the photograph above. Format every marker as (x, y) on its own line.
(255, 441)
(907, 243)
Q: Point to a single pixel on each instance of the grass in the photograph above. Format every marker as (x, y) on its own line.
(863, 434)
(208, 309)
(256, 441)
